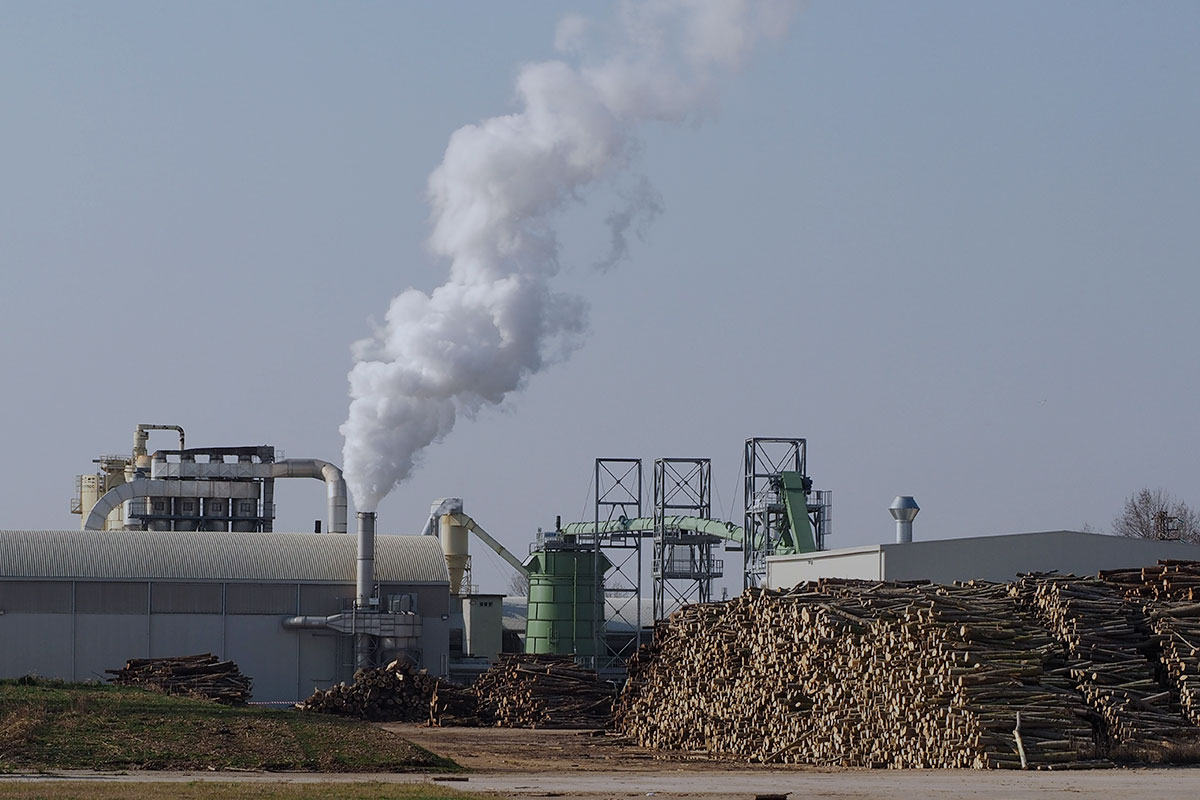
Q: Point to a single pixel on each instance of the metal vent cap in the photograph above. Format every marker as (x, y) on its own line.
(904, 508)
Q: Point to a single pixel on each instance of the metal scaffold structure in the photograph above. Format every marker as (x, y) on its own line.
(683, 566)
(783, 514)
(599, 563)
(618, 495)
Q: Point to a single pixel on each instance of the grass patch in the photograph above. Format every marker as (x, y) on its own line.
(76, 790)
(47, 725)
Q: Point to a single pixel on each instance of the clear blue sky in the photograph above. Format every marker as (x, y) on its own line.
(951, 244)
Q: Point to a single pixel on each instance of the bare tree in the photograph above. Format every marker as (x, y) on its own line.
(1154, 514)
(518, 584)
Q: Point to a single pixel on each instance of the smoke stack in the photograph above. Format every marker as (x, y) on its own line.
(366, 557)
(904, 509)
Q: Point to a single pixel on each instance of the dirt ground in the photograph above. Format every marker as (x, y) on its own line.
(571, 764)
(518, 750)
(581, 765)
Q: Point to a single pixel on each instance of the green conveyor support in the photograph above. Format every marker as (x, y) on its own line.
(710, 527)
(799, 539)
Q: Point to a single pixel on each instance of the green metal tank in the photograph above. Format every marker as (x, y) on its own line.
(564, 587)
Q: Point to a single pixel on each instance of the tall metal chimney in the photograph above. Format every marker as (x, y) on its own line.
(904, 509)
(365, 585)
(366, 558)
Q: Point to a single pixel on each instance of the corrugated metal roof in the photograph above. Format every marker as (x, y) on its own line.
(204, 555)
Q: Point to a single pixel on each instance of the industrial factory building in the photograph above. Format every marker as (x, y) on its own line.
(178, 556)
(76, 603)
(992, 558)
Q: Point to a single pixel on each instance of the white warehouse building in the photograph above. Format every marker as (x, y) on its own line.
(991, 558)
(76, 603)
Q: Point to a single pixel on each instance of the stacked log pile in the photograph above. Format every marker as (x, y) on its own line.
(518, 691)
(395, 693)
(1177, 626)
(542, 691)
(204, 676)
(855, 674)
(1109, 659)
(1170, 580)
(452, 704)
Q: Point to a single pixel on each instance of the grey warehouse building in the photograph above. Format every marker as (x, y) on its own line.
(76, 603)
(990, 558)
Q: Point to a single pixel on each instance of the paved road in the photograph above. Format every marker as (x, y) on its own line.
(738, 784)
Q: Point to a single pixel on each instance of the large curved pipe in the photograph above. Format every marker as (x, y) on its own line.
(157, 488)
(335, 489)
(335, 485)
(142, 433)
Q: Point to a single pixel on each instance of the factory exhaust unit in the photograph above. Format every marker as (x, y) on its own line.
(365, 586)
(366, 559)
(375, 631)
(208, 488)
(904, 510)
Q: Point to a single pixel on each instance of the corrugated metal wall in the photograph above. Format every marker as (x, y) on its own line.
(77, 629)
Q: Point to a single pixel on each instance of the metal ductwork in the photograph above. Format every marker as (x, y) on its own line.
(448, 522)
(141, 435)
(335, 484)
(405, 625)
(365, 585)
(364, 588)
(904, 510)
(191, 479)
(160, 488)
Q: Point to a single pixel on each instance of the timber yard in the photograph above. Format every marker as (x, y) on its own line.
(689, 399)
(1052, 652)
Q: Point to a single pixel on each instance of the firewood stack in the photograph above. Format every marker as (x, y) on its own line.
(1171, 593)
(396, 693)
(542, 691)
(858, 674)
(1171, 580)
(518, 691)
(203, 676)
(1109, 658)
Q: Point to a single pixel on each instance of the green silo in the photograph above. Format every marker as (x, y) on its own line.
(566, 605)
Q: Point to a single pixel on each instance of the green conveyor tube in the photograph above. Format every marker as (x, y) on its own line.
(710, 527)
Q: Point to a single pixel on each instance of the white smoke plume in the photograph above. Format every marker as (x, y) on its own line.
(497, 320)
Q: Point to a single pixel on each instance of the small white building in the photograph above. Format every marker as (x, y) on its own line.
(992, 558)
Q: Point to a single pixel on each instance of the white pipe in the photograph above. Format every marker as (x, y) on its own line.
(152, 488)
(335, 485)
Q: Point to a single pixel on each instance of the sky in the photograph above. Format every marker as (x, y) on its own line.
(952, 245)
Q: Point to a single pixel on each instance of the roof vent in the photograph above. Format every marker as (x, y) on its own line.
(904, 509)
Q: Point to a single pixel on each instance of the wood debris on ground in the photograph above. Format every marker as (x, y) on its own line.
(396, 693)
(203, 675)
